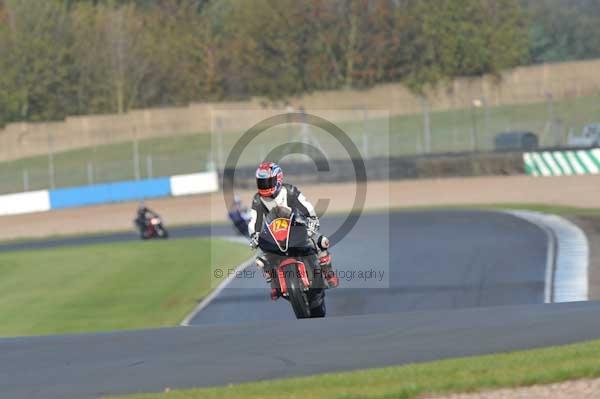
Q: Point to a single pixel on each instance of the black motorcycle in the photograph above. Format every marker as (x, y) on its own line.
(292, 262)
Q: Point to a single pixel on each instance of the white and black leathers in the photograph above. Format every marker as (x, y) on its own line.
(289, 196)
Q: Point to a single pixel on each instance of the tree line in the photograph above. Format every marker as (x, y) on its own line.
(70, 57)
(561, 30)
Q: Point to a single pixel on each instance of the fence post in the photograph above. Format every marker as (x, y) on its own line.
(136, 155)
(149, 166)
(486, 121)
(553, 123)
(216, 137)
(25, 180)
(365, 137)
(365, 145)
(290, 130)
(220, 155)
(426, 125)
(263, 153)
(475, 138)
(90, 173)
(51, 171)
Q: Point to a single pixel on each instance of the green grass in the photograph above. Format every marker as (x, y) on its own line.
(540, 366)
(400, 135)
(108, 287)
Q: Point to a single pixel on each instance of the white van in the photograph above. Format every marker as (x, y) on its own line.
(589, 137)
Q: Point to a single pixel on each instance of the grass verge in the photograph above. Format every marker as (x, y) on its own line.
(108, 287)
(540, 366)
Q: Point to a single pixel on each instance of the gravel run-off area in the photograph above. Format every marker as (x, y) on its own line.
(577, 389)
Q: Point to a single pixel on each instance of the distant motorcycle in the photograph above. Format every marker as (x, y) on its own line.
(151, 227)
(240, 221)
(293, 262)
(240, 217)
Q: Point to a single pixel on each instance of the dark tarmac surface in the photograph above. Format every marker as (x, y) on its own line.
(443, 274)
(428, 260)
(88, 366)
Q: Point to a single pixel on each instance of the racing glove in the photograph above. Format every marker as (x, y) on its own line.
(313, 226)
(254, 240)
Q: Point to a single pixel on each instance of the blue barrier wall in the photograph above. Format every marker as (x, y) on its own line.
(111, 192)
(73, 197)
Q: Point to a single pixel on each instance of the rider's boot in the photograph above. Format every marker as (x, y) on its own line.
(326, 269)
(325, 262)
(275, 294)
(261, 263)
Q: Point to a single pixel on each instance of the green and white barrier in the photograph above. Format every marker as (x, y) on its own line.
(562, 163)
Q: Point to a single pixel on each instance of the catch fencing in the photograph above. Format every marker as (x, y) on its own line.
(386, 121)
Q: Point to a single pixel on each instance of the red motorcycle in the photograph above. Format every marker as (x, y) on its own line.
(292, 262)
(151, 228)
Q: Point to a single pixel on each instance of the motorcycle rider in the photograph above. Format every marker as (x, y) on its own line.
(272, 192)
(144, 214)
(239, 216)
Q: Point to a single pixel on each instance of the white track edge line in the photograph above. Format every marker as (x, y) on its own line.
(570, 275)
(208, 299)
(550, 252)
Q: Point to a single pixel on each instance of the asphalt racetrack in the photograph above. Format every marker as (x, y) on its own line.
(411, 261)
(418, 286)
